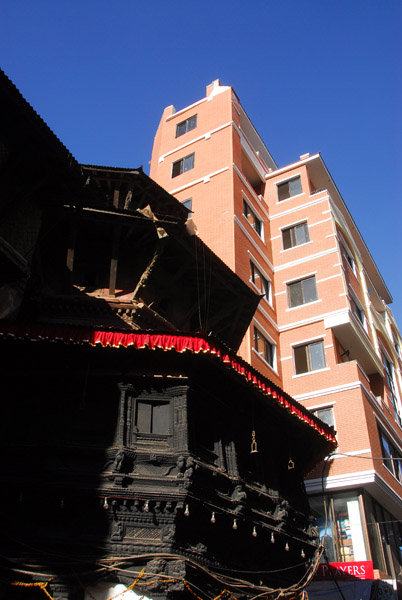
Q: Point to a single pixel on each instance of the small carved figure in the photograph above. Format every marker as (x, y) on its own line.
(117, 531)
(168, 533)
(281, 511)
(190, 466)
(181, 463)
(118, 461)
(239, 495)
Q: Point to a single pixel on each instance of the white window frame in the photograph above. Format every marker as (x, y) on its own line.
(304, 345)
(268, 338)
(256, 216)
(182, 162)
(294, 226)
(290, 283)
(347, 253)
(287, 180)
(264, 276)
(186, 121)
(354, 301)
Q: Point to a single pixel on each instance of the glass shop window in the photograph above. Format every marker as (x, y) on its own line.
(341, 530)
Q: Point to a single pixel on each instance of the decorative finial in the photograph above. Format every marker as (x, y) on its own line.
(254, 449)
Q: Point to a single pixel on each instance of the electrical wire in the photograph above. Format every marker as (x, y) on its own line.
(346, 455)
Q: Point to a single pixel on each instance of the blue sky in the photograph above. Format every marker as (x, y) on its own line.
(313, 75)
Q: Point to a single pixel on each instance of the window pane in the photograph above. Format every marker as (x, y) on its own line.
(160, 418)
(188, 203)
(176, 168)
(326, 415)
(188, 163)
(286, 237)
(301, 234)
(192, 123)
(309, 290)
(295, 294)
(283, 191)
(263, 347)
(180, 129)
(325, 525)
(301, 364)
(295, 186)
(269, 353)
(258, 341)
(349, 528)
(387, 453)
(317, 357)
(144, 412)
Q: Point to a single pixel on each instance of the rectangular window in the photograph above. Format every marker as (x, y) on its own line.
(294, 236)
(390, 381)
(153, 417)
(252, 218)
(309, 357)
(349, 257)
(187, 125)
(325, 414)
(302, 291)
(183, 165)
(392, 458)
(263, 347)
(260, 282)
(396, 344)
(188, 203)
(340, 525)
(289, 188)
(359, 312)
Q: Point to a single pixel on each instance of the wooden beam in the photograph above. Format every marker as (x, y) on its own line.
(114, 260)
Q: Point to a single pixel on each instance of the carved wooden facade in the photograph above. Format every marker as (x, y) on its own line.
(158, 471)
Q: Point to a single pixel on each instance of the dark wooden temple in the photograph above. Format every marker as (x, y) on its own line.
(136, 446)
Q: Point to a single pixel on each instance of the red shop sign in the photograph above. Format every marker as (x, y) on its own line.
(362, 569)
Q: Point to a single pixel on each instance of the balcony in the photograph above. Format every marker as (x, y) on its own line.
(351, 335)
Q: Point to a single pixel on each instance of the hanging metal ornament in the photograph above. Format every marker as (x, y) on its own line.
(213, 520)
(303, 554)
(146, 506)
(254, 448)
(291, 464)
(254, 532)
(105, 504)
(187, 511)
(234, 526)
(272, 538)
(286, 547)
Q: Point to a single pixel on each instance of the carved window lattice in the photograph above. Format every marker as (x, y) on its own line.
(143, 533)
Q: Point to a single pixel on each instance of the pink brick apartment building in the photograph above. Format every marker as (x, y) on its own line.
(323, 330)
